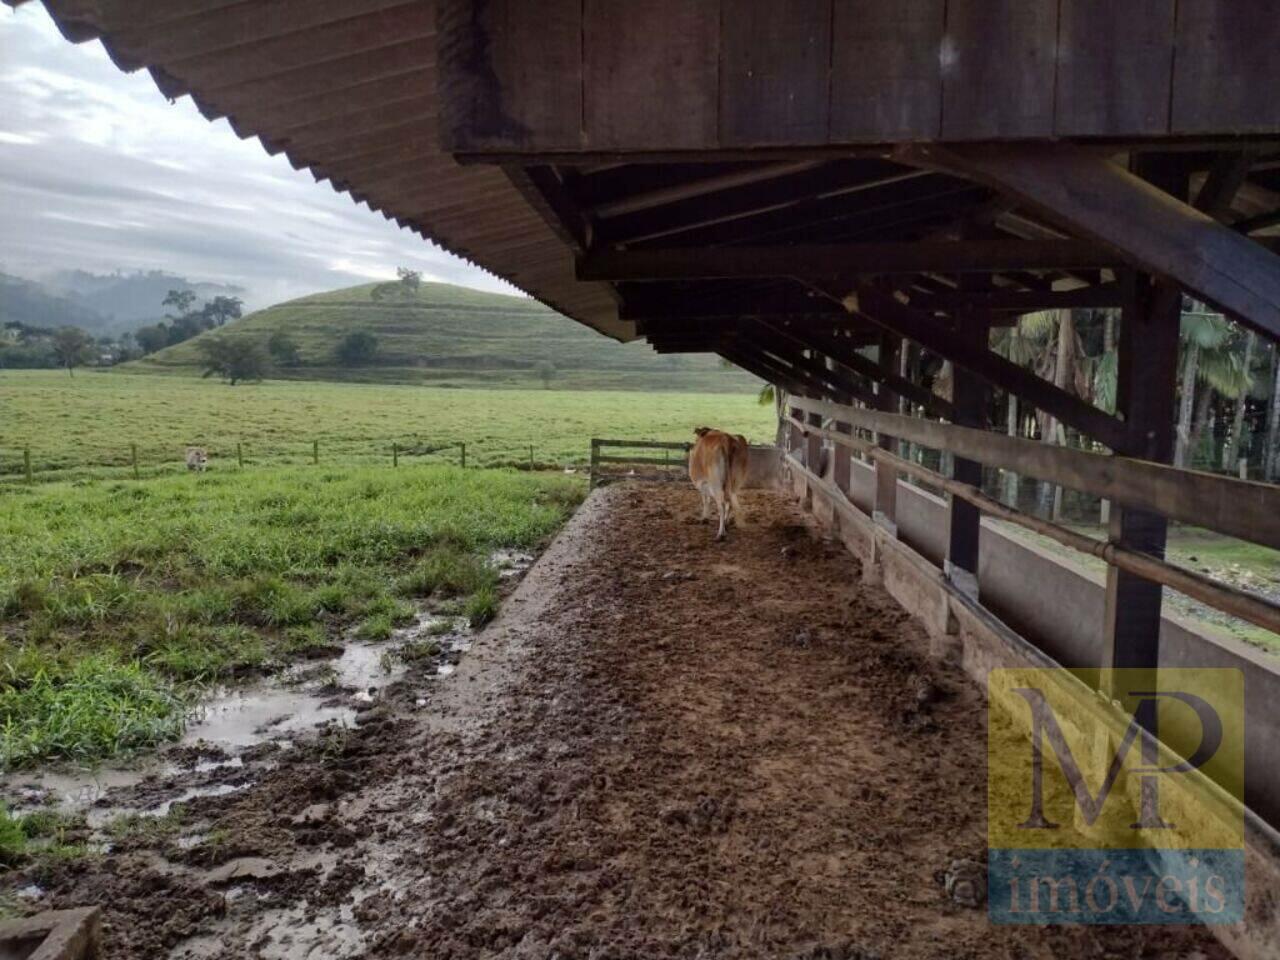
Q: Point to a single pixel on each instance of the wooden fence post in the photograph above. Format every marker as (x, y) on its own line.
(26, 464)
(462, 451)
(395, 454)
(315, 451)
(885, 504)
(969, 401)
(595, 459)
(133, 459)
(239, 455)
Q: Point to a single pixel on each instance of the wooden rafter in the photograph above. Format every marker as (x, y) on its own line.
(1156, 232)
(843, 351)
(841, 379)
(885, 311)
(858, 259)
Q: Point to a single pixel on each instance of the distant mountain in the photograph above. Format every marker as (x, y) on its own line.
(30, 303)
(130, 299)
(454, 336)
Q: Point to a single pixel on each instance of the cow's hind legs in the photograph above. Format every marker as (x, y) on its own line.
(737, 514)
(722, 507)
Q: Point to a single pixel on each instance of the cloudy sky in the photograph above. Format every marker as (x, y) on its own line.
(99, 172)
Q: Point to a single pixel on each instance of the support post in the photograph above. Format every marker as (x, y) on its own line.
(239, 455)
(133, 459)
(395, 454)
(1148, 363)
(969, 401)
(315, 451)
(462, 454)
(813, 446)
(793, 433)
(595, 460)
(842, 467)
(885, 508)
(26, 465)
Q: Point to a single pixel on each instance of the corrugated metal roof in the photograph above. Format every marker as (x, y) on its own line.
(345, 88)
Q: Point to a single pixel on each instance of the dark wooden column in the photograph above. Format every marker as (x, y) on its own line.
(842, 468)
(1145, 398)
(793, 432)
(1145, 394)
(969, 401)
(813, 450)
(885, 508)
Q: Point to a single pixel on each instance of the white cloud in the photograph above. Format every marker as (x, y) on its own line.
(98, 171)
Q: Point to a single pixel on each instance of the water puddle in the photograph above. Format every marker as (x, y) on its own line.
(510, 563)
(221, 752)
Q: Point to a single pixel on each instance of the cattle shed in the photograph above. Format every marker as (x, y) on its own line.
(813, 190)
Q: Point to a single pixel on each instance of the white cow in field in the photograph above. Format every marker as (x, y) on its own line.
(718, 467)
(197, 459)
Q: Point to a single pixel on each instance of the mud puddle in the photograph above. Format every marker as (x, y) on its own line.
(235, 735)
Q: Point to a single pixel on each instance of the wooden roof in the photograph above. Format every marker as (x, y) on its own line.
(345, 88)
(583, 186)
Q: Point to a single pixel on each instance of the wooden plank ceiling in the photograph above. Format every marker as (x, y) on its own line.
(348, 89)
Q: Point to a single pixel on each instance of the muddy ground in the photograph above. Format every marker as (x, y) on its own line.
(665, 747)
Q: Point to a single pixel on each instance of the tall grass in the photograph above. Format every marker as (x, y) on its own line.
(118, 599)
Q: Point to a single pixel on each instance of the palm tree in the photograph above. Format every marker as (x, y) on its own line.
(1271, 447)
(1212, 361)
(1230, 450)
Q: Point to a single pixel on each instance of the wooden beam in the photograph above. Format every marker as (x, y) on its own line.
(730, 204)
(969, 398)
(884, 510)
(841, 379)
(884, 310)
(854, 259)
(1225, 178)
(648, 301)
(544, 189)
(1096, 198)
(696, 187)
(766, 370)
(1237, 508)
(1148, 364)
(1258, 222)
(844, 352)
(882, 207)
(1021, 301)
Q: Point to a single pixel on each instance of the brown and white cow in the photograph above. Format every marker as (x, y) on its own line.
(197, 459)
(718, 467)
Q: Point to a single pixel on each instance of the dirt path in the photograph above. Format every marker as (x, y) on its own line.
(666, 747)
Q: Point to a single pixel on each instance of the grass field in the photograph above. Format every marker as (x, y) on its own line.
(121, 599)
(447, 335)
(75, 425)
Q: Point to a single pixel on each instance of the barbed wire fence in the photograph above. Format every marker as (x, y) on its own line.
(32, 464)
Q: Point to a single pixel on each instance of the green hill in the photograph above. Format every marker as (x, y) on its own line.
(454, 336)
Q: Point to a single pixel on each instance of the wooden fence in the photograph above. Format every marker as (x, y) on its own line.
(1238, 508)
(612, 466)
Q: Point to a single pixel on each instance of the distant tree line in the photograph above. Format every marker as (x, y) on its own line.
(31, 347)
(27, 347)
(187, 320)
